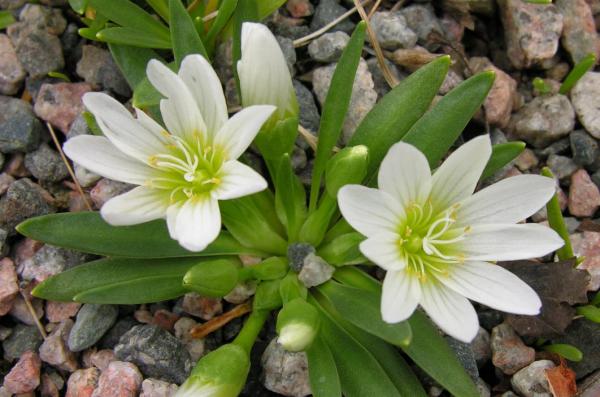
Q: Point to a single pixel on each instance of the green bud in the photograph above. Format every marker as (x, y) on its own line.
(314, 228)
(221, 373)
(277, 137)
(215, 278)
(291, 288)
(343, 250)
(272, 268)
(346, 167)
(297, 325)
(267, 296)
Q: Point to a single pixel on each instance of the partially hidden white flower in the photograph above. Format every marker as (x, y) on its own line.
(436, 238)
(183, 170)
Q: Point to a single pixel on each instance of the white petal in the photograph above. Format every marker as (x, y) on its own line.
(98, 155)
(239, 131)
(198, 223)
(509, 201)
(152, 126)
(497, 242)
(172, 213)
(493, 286)
(238, 180)
(136, 206)
(457, 177)
(368, 210)
(405, 174)
(400, 296)
(119, 126)
(205, 86)
(382, 249)
(179, 111)
(452, 312)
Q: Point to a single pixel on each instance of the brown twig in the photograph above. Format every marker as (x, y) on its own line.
(201, 330)
(308, 137)
(33, 315)
(374, 8)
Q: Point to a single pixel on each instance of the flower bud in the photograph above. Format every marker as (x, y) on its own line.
(267, 296)
(214, 278)
(349, 166)
(271, 268)
(297, 325)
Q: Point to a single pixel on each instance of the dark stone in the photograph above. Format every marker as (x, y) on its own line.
(465, 355)
(38, 51)
(20, 130)
(296, 254)
(112, 337)
(561, 166)
(584, 148)
(309, 113)
(23, 200)
(557, 147)
(327, 11)
(46, 164)
(97, 67)
(584, 335)
(91, 324)
(22, 339)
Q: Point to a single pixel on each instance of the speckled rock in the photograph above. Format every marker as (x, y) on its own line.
(200, 306)
(579, 35)
(9, 287)
(285, 372)
(97, 67)
(48, 261)
(120, 379)
(586, 101)
(531, 381)
(24, 377)
(465, 356)
(561, 166)
(20, 130)
(194, 346)
(482, 352)
(46, 164)
(315, 271)
(584, 196)
(587, 245)
(60, 103)
(83, 382)
(157, 388)
(509, 353)
(328, 47)
(583, 147)
(91, 324)
(23, 199)
(22, 339)
(46, 18)
(20, 310)
(38, 51)
(392, 31)
(289, 52)
(12, 73)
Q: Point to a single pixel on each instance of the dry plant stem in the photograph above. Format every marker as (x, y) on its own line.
(398, 5)
(69, 168)
(302, 41)
(387, 74)
(31, 311)
(202, 330)
(308, 137)
(374, 8)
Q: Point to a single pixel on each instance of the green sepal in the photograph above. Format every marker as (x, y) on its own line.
(290, 198)
(314, 228)
(291, 288)
(343, 250)
(213, 278)
(272, 268)
(267, 295)
(277, 138)
(348, 166)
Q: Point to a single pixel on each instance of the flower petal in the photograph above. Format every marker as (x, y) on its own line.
(139, 205)
(457, 177)
(238, 180)
(405, 174)
(205, 86)
(382, 249)
(239, 131)
(452, 312)
(400, 296)
(368, 210)
(509, 201)
(98, 155)
(198, 223)
(179, 111)
(152, 126)
(172, 213)
(493, 286)
(498, 242)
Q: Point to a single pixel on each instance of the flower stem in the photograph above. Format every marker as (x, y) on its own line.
(250, 330)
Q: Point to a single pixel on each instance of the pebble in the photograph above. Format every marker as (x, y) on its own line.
(579, 35)
(24, 377)
(48, 387)
(590, 387)
(527, 160)
(112, 337)
(54, 350)
(509, 353)
(156, 352)
(48, 261)
(289, 52)
(59, 104)
(328, 47)
(101, 358)
(422, 20)
(12, 73)
(309, 113)
(392, 31)
(381, 85)
(9, 287)
(38, 51)
(106, 189)
(22, 339)
(561, 166)
(11, 4)
(241, 293)
(82, 382)
(544, 120)
(465, 356)
(60, 311)
(98, 68)
(46, 164)
(285, 372)
(91, 324)
(5, 181)
(79, 126)
(120, 379)
(584, 148)
(21, 311)
(296, 254)
(46, 18)
(23, 199)
(587, 245)
(363, 98)
(20, 130)
(482, 352)
(194, 346)
(315, 271)
(157, 388)
(531, 381)
(531, 32)
(299, 8)
(200, 306)
(586, 101)
(584, 196)
(325, 12)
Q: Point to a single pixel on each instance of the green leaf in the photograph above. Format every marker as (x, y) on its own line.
(161, 7)
(87, 232)
(397, 111)
(264, 8)
(267, 296)
(322, 371)
(581, 68)
(437, 130)
(590, 312)
(557, 222)
(343, 250)
(226, 10)
(132, 61)
(502, 154)
(184, 37)
(118, 281)
(290, 198)
(128, 14)
(78, 6)
(567, 351)
(6, 19)
(132, 37)
(361, 308)
(335, 107)
(145, 95)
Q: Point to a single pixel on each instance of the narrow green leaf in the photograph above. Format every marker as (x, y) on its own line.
(87, 232)
(226, 10)
(264, 8)
(184, 37)
(78, 6)
(502, 154)
(144, 93)
(335, 107)
(119, 281)
(161, 7)
(590, 312)
(128, 14)
(557, 222)
(290, 198)
(6, 19)
(541, 86)
(322, 371)
(539, 1)
(343, 250)
(567, 351)
(397, 111)
(581, 68)
(132, 37)
(132, 61)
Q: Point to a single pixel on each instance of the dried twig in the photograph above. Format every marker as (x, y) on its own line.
(201, 330)
(33, 315)
(374, 8)
(308, 137)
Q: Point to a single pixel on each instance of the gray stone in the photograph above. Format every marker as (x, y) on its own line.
(157, 388)
(309, 113)
(156, 352)
(583, 147)
(380, 83)
(422, 20)
(112, 337)
(392, 31)
(299, 159)
(23, 199)
(106, 189)
(482, 352)
(544, 120)
(38, 51)
(561, 166)
(289, 52)
(579, 35)
(296, 254)
(12, 73)
(328, 47)
(465, 355)
(79, 127)
(327, 11)
(48, 261)
(509, 353)
(97, 67)
(586, 101)
(20, 130)
(22, 339)
(531, 381)
(49, 19)
(285, 372)
(315, 271)
(11, 4)
(583, 334)
(46, 164)
(558, 147)
(91, 324)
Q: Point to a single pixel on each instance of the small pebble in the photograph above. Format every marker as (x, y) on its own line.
(315, 271)
(328, 47)
(82, 382)
(531, 381)
(157, 388)
(60, 103)
(92, 322)
(24, 377)
(392, 31)
(120, 379)
(584, 196)
(285, 372)
(200, 306)
(509, 353)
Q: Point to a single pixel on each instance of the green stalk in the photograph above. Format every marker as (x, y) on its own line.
(557, 222)
(251, 329)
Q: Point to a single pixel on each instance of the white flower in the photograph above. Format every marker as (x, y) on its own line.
(436, 238)
(183, 170)
(263, 72)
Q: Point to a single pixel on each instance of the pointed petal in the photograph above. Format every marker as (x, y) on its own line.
(452, 312)
(493, 286)
(152, 126)
(179, 111)
(172, 213)
(239, 131)
(205, 87)
(198, 223)
(509, 201)
(368, 210)
(382, 249)
(238, 180)
(457, 177)
(400, 296)
(499, 242)
(405, 174)
(98, 155)
(136, 206)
